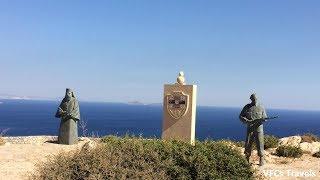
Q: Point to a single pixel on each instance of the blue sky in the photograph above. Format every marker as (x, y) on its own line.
(121, 51)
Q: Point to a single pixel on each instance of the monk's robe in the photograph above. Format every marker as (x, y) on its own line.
(69, 113)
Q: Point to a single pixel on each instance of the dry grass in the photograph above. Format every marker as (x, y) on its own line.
(271, 141)
(309, 138)
(2, 133)
(317, 154)
(2, 141)
(284, 161)
(289, 151)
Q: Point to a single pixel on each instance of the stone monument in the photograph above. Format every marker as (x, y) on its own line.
(69, 113)
(179, 111)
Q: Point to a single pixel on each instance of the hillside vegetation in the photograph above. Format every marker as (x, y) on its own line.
(137, 158)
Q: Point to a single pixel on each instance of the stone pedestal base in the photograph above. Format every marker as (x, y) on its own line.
(179, 112)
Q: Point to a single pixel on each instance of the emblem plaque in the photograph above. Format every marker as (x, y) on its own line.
(177, 104)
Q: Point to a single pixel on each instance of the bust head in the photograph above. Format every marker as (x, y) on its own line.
(254, 99)
(181, 79)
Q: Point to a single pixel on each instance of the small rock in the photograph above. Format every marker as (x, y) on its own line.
(310, 147)
(84, 139)
(290, 141)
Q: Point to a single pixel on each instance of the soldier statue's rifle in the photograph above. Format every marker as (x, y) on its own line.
(256, 121)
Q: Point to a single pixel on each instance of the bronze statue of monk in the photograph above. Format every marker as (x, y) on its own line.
(69, 113)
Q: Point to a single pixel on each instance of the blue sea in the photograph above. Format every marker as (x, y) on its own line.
(29, 117)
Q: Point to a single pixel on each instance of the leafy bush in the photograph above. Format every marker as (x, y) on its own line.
(239, 144)
(137, 158)
(309, 138)
(270, 141)
(289, 151)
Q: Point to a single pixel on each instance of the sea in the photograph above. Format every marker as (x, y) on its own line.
(35, 117)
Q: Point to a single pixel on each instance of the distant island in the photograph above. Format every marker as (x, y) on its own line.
(141, 103)
(14, 97)
(135, 103)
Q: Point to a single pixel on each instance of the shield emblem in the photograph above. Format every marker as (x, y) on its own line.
(177, 104)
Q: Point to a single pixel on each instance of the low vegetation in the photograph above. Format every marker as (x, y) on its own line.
(239, 143)
(2, 141)
(270, 141)
(2, 133)
(317, 154)
(289, 151)
(137, 158)
(309, 138)
(232, 143)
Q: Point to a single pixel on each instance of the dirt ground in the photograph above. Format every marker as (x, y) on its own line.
(20, 154)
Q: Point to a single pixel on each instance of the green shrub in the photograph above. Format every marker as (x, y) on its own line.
(137, 158)
(317, 154)
(239, 143)
(289, 151)
(309, 138)
(231, 142)
(270, 141)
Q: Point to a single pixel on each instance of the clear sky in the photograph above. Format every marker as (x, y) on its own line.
(125, 50)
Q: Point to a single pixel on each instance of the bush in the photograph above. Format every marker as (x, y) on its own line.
(239, 144)
(270, 141)
(289, 151)
(2, 133)
(317, 154)
(309, 138)
(137, 158)
(2, 141)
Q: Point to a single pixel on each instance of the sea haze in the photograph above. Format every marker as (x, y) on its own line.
(28, 117)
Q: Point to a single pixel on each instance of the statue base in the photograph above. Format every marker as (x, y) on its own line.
(179, 112)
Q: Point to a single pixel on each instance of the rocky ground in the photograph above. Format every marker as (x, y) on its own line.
(20, 154)
(306, 167)
(281, 168)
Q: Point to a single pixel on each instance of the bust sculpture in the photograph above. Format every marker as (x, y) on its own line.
(181, 79)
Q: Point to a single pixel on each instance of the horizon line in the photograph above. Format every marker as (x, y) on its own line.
(138, 103)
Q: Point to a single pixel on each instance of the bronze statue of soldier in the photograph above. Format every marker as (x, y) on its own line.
(69, 113)
(254, 115)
